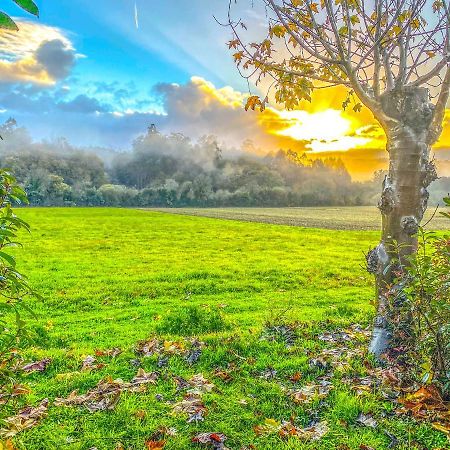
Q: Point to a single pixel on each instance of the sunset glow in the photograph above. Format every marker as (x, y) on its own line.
(325, 131)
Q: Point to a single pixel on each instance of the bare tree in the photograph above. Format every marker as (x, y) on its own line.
(393, 56)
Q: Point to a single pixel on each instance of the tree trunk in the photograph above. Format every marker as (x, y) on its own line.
(403, 201)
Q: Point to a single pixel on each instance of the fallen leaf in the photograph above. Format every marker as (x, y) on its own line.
(155, 445)
(216, 440)
(7, 445)
(89, 363)
(140, 414)
(367, 420)
(144, 378)
(192, 405)
(111, 353)
(199, 384)
(37, 366)
(26, 418)
(296, 377)
(312, 391)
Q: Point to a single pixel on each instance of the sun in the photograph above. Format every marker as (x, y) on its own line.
(325, 131)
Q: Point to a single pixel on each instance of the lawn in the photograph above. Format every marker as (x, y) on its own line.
(329, 217)
(244, 304)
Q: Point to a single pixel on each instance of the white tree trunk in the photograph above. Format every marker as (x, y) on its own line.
(403, 201)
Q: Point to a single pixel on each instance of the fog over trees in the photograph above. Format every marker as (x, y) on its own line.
(175, 171)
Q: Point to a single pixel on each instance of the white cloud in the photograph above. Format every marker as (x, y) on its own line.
(23, 44)
(37, 54)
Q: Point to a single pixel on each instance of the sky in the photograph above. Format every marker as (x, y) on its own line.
(100, 72)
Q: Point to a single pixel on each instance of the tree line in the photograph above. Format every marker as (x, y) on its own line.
(174, 171)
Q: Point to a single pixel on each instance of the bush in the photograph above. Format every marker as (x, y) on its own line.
(424, 320)
(13, 285)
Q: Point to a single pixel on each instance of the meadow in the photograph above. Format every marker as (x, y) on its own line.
(329, 217)
(274, 317)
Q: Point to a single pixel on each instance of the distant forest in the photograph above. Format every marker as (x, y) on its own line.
(173, 171)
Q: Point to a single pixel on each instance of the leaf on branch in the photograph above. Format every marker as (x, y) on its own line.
(278, 30)
(233, 43)
(29, 6)
(7, 23)
(253, 101)
(238, 56)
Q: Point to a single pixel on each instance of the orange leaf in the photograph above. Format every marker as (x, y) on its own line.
(155, 445)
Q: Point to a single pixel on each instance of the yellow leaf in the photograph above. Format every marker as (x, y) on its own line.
(238, 56)
(252, 102)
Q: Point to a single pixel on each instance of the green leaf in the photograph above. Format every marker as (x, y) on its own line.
(7, 23)
(28, 5)
(8, 258)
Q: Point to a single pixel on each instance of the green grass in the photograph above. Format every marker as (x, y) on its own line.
(327, 217)
(112, 277)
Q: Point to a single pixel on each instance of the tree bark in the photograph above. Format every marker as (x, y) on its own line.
(403, 200)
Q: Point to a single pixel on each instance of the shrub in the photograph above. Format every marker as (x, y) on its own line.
(13, 285)
(424, 320)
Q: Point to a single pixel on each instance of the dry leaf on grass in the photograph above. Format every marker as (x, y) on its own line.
(427, 404)
(89, 363)
(199, 384)
(26, 418)
(366, 420)
(7, 445)
(155, 445)
(37, 366)
(107, 392)
(312, 391)
(192, 405)
(215, 440)
(287, 429)
(113, 352)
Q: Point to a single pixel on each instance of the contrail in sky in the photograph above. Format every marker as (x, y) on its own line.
(136, 18)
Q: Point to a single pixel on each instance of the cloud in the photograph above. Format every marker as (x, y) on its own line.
(38, 54)
(56, 57)
(198, 108)
(114, 114)
(83, 104)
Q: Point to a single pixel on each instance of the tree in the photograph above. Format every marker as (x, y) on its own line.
(28, 5)
(393, 56)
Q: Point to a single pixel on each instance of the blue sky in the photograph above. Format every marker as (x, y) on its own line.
(112, 66)
(86, 72)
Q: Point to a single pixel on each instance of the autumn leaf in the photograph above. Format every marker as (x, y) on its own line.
(215, 440)
(233, 43)
(26, 418)
(238, 56)
(252, 102)
(155, 445)
(37, 366)
(296, 377)
(7, 445)
(444, 427)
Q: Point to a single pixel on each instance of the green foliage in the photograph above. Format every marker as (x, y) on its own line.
(27, 5)
(424, 322)
(447, 203)
(173, 171)
(13, 285)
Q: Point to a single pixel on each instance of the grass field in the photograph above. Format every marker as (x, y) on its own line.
(333, 218)
(259, 297)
